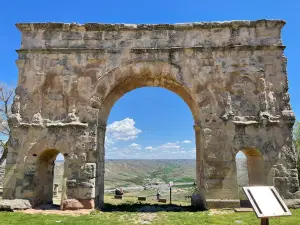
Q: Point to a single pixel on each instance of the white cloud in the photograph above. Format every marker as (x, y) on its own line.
(122, 130)
(169, 145)
(135, 146)
(186, 142)
(166, 146)
(108, 141)
(133, 153)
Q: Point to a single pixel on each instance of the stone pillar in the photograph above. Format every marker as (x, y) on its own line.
(9, 182)
(82, 187)
(10, 185)
(221, 180)
(100, 166)
(199, 157)
(198, 198)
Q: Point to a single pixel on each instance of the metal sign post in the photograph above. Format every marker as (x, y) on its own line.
(170, 185)
(264, 221)
(266, 203)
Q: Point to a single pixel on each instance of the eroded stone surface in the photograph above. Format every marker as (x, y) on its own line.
(72, 204)
(15, 204)
(2, 170)
(232, 75)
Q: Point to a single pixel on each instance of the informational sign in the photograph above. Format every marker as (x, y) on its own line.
(171, 183)
(266, 201)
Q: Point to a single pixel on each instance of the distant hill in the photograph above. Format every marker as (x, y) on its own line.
(138, 172)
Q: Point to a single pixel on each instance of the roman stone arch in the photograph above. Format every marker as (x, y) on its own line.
(232, 75)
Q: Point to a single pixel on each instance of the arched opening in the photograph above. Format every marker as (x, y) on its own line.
(58, 173)
(150, 141)
(109, 88)
(250, 168)
(241, 173)
(47, 177)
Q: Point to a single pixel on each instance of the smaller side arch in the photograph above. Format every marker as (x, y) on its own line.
(38, 178)
(45, 176)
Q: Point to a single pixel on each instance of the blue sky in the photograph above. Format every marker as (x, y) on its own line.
(149, 117)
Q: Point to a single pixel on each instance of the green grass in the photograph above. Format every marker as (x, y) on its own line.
(126, 212)
(160, 218)
(184, 179)
(165, 173)
(190, 186)
(138, 180)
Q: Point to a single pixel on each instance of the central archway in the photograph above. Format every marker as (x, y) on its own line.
(135, 75)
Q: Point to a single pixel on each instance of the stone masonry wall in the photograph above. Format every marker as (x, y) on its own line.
(2, 170)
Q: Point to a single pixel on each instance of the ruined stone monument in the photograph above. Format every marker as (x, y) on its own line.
(232, 75)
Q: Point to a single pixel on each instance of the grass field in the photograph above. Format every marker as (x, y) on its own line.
(127, 212)
(224, 217)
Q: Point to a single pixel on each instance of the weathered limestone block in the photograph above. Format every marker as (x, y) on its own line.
(89, 171)
(86, 193)
(15, 204)
(72, 204)
(1, 175)
(293, 203)
(81, 189)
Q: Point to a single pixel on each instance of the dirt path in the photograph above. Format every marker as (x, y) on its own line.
(59, 212)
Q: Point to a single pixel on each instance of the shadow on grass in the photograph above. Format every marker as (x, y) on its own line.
(146, 207)
(48, 207)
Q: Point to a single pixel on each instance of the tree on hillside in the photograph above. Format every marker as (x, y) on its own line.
(6, 95)
(296, 139)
